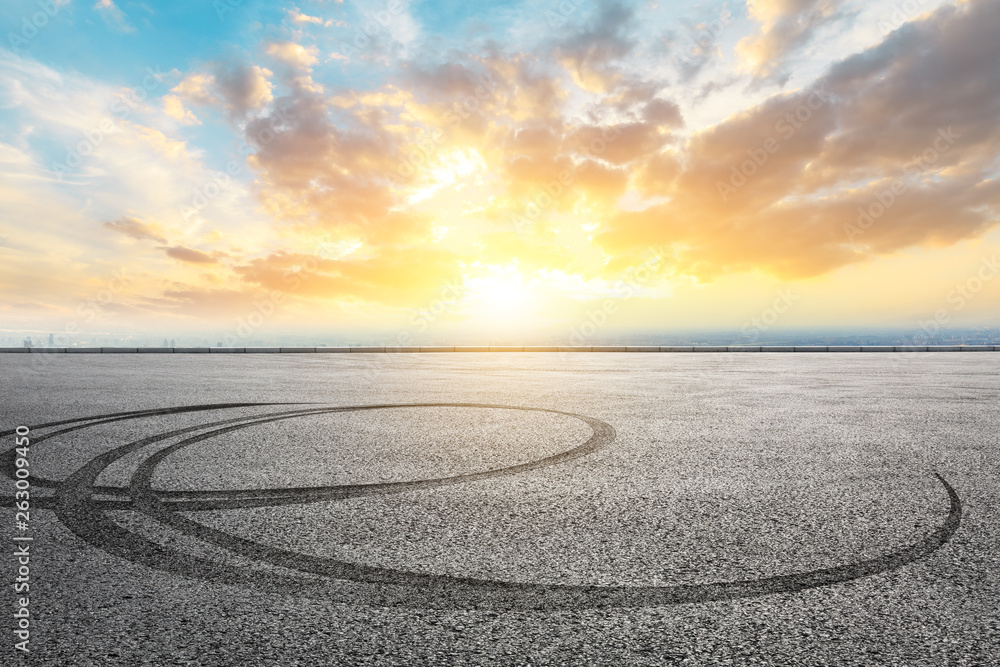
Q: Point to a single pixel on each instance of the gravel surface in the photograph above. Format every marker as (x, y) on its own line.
(510, 509)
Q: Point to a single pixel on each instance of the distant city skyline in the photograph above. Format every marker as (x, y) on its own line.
(884, 336)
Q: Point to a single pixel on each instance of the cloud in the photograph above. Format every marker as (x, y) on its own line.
(866, 163)
(418, 163)
(394, 277)
(234, 87)
(206, 304)
(315, 172)
(190, 255)
(662, 112)
(617, 144)
(786, 26)
(113, 16)
(589, 53)
(136, 229)
(420, 175)
(98, 151)
(243, 88)
(641, 99)
(347, 165)
(296, 56)
(296, 16)
(698, 44)
(332, 164)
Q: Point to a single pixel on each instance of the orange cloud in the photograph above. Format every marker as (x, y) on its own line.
(136, 229)
(394, 277)
(233, 87)
(863, 164)
(589, 53)
(294, 55)
(786, 25)
(190, 255)
(775, 188)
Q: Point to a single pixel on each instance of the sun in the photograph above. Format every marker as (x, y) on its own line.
(506, 296)
(501, 294)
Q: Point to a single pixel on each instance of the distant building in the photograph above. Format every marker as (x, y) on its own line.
(27, 341)
(52, 342)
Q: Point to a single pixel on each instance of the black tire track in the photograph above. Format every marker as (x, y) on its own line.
(8, 456)
(344, 581)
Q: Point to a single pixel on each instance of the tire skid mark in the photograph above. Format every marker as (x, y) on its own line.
(7, 457)
(349, 582)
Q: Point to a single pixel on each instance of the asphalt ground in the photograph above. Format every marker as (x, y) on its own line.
(524, 508)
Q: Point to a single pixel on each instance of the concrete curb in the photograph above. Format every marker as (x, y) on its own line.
(503, 348)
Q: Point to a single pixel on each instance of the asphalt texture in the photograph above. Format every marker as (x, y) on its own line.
(525, 508)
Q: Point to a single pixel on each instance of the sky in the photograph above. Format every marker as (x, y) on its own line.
(497, 170)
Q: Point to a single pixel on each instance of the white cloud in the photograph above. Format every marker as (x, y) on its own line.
(113, 16)
(120, 155)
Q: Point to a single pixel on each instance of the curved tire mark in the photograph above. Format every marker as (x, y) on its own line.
(341, 580)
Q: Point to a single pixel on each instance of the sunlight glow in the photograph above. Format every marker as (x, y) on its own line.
(449, 170)
(500, 295)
